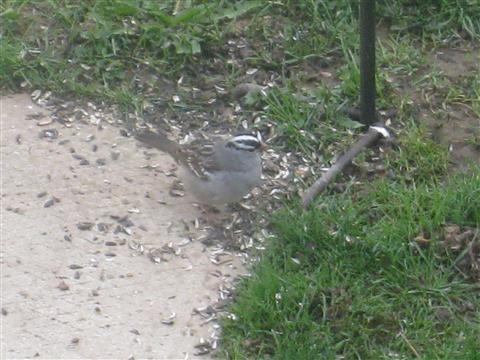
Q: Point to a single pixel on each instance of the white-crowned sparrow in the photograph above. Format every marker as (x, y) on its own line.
(215, 172)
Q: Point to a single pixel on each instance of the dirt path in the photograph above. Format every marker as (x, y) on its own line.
(74, 221)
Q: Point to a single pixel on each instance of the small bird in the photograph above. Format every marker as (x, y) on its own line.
(215, 172)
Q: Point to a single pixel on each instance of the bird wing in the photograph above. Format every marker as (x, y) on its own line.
(198, 156)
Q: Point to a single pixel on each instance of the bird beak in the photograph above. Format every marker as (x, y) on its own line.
(263, 146)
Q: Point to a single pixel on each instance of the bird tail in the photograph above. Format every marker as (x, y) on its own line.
(158, 141)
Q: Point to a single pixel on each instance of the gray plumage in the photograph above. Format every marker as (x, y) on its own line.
(215, 172)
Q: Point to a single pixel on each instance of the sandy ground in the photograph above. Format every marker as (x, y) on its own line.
(73, 290)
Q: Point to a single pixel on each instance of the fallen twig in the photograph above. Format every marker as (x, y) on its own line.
(409, 344)
(373, 134)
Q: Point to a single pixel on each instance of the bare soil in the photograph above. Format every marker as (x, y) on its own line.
(453, 124)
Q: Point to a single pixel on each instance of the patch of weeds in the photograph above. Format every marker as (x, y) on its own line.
(349, 75)
(103, 48)
(310, 123)
(475, 88)
(400, 55)
(445, 90)
(296, 120)
(434, 20)
(465, 90)
(96, 48)
(432, 81)
(419, 158)
(10, 62)
(348, 279)
(287, 33)
(474, 138)
(326, 27)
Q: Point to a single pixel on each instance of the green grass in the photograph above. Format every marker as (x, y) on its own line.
(96, 47)
(308, 124)
(347, 280)
(464, 91)
(418, 158)
(437, 20)
(103, 49)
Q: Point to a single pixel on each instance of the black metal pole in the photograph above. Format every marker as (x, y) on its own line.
(367, 61)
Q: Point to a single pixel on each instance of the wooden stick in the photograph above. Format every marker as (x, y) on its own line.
(373, 134)
(409, 344)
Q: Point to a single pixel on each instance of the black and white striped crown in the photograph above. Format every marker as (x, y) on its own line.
(246, 141)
